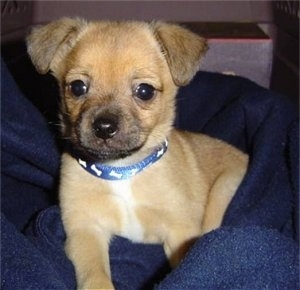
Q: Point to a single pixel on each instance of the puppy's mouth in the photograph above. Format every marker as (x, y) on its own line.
(105, 136)
(88, 146)
(102, 155)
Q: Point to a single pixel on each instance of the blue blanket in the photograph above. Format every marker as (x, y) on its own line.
(257, 246)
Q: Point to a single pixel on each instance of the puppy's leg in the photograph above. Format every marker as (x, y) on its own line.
(219, 198)
(88, 249)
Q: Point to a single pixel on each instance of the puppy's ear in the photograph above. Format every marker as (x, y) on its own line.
(183, 50)
(47, 45)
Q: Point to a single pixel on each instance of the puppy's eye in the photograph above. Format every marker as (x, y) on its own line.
(78, 88)
(144, 92)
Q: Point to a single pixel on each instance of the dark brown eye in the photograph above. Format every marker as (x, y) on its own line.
(78, 88)
(145, 92)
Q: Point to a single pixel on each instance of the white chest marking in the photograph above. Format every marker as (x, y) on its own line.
(131, 226)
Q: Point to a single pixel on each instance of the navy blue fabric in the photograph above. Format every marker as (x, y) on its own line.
(25, 265)
(255, 248)
(238, 258)
(29, 159)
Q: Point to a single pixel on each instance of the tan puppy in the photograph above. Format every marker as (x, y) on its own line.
(118, 82)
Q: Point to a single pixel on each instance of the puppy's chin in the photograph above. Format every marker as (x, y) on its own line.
(102, 156)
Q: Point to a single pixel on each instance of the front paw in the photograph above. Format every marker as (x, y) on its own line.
(88, 251)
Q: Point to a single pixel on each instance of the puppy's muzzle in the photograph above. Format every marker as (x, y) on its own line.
(105, 127)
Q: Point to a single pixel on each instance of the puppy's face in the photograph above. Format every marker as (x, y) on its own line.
(118, 83)
(118, 93)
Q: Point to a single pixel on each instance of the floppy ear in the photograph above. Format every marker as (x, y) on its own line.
(47, 45)
(182, 48)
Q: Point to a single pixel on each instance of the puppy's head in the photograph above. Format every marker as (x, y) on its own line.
(118, 80)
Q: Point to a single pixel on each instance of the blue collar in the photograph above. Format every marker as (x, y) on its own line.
(123, 172)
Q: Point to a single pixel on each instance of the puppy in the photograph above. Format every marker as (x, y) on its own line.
(126, 171)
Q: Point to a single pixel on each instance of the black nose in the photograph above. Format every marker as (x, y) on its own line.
(105, 127)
